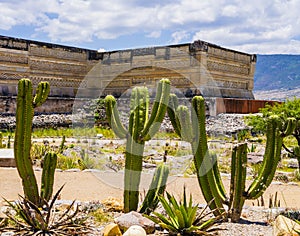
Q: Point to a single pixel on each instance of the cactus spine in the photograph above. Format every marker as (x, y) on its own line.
(205, 162)
(22, 144)
(141, 129)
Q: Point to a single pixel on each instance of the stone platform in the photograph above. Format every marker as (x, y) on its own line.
(7, 158)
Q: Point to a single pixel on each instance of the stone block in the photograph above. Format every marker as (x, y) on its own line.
(7, 158)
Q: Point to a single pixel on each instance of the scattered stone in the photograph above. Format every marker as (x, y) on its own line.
(135, 230)
(8, 234)
(292, 163)
(112, 230)
(284, 226)
(113, 204)
(73, 170)
(255, 158)
(276, 183)
(134, 218)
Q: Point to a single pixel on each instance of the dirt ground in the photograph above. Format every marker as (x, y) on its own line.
(94, 186)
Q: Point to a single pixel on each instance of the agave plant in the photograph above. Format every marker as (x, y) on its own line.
(297, 231)
(29, 219)
(182, 217)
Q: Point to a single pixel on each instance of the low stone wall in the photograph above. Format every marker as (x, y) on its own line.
(215, 106)
(52, 105)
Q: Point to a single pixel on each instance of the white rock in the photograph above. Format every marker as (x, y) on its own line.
(135, 230)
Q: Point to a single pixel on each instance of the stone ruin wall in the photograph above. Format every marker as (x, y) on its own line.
(66, 67)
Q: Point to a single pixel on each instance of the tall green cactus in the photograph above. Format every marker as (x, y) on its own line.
(192, 129)
(141, 129)
(22, 143)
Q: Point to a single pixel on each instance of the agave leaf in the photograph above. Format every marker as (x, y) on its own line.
(184, 199)
(162, 218)
(207, 224)
(154, 219)
(181, 217)
(168, 227)
(192, 215)
(167, 207)
(173, 202)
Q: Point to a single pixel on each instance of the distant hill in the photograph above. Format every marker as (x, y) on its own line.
(277, 72)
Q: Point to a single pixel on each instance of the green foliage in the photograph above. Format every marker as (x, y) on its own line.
(182, 217)
(1, 141)
(31, 219)
(101, 217)
(68, 162)
(38, 151)
(289, 114)
(71, 132)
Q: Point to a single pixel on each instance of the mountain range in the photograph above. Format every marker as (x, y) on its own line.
(277, 77)
(278, 71)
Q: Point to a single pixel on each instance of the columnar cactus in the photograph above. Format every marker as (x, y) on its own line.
(22, 144)
(193, 130)
(141, 129)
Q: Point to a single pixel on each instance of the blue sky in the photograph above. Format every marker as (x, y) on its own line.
(256, 26)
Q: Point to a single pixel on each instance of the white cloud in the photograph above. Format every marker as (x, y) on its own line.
(154, 34)
(179, 36)
(265, 25)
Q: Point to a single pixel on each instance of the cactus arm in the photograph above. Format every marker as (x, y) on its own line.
(171, 110)
(47, 180)
(22, 143)
(113, 116)
(219, 183)
(157, 188)
(238, 181)
(198, 124)
(42, 93)
(271, 159)
(291, 124)
(139, 108)
(158, 111)
(185, 122)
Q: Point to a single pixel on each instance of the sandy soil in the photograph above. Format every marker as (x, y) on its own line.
(88, 186)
